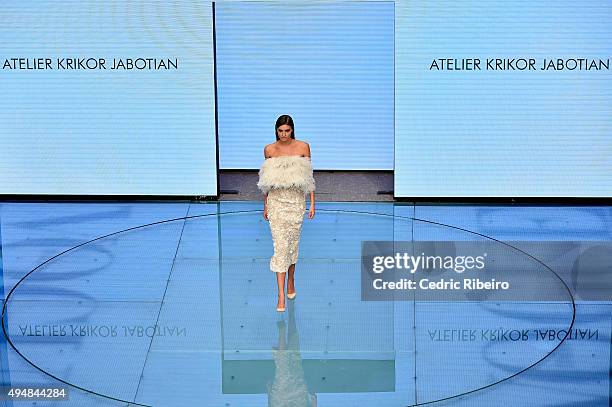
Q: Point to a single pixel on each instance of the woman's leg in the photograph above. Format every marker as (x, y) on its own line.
(290, 280)
(280, 279)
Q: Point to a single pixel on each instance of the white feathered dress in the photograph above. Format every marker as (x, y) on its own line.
(286, 180)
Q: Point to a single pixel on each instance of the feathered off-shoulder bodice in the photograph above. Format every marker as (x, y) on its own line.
(286, 171)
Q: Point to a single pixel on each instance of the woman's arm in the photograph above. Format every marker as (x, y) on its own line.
(265, 214)
(265, 210)
(311, 212)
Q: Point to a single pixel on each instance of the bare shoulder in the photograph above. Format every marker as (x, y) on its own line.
(268, 150)
(305, 148)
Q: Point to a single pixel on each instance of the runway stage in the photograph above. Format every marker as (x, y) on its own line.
(173, 304)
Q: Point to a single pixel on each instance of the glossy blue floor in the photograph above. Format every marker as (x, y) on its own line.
(173, 304)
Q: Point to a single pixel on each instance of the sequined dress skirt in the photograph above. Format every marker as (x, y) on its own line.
(286, 208)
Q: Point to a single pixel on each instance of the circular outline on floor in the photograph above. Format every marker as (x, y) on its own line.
(4, 308)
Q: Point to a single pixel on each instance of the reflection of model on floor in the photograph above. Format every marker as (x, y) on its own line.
(288, 388)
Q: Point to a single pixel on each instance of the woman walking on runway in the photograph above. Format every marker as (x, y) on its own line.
(285, 177)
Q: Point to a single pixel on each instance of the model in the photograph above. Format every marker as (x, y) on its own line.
(285, 177)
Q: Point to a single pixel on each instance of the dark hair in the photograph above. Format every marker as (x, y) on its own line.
(284, 119)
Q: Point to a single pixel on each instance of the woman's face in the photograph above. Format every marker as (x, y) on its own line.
(284, 132)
